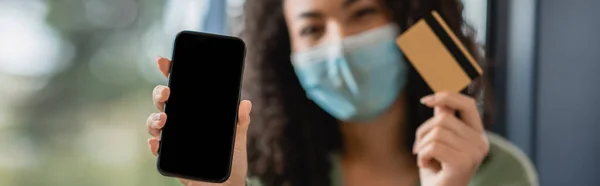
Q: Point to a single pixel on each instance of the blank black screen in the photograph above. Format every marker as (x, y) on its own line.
(197, 140)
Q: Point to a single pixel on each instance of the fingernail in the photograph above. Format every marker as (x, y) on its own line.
(156, 117)
(427, 99)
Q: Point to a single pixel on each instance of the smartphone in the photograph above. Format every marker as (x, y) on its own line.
(205, 78)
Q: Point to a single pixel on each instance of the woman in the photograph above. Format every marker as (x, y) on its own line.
(336, 103)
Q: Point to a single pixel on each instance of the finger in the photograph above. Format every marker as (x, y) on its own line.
(159, 96)
(440, 153)
(450, 123)
(465, 105)
(153, 143)
(449, 138)
(439, 110)
(244, 113)
(243, 124)
(155, 123)
(164, 65)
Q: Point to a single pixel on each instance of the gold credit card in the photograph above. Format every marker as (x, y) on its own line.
(438, 55)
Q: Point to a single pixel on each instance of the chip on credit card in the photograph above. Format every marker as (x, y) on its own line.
(438, 55)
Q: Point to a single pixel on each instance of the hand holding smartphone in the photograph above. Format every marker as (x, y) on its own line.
(206, 120)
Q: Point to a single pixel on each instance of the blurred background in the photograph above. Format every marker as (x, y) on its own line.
(76, 78)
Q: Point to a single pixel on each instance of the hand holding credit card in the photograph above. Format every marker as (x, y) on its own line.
(447, 67)
(438, 55)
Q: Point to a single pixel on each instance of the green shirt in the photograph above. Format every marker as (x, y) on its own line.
(507, 166)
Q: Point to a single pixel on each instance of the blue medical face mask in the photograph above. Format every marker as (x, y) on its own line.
(357, 78)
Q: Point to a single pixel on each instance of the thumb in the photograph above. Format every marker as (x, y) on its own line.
(242, 125)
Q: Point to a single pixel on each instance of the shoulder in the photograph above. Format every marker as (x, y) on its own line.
(507, 166)
(253, 181)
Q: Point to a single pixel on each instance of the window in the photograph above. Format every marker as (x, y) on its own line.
(475, 13)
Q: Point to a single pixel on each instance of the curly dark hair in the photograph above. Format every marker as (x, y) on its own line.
(291, 138)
